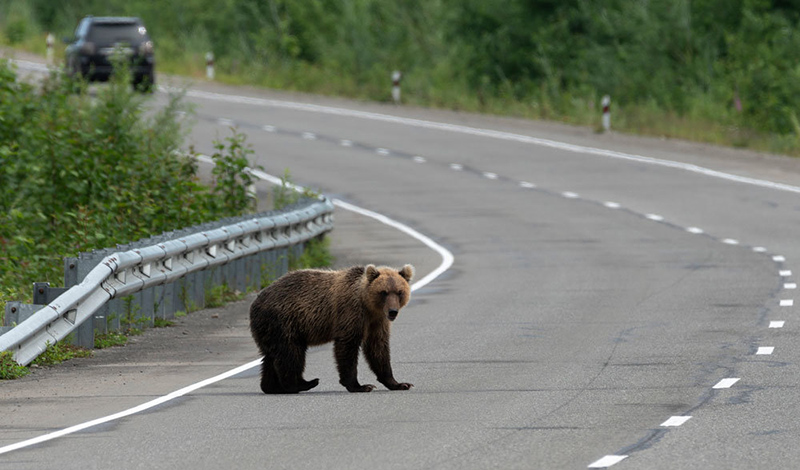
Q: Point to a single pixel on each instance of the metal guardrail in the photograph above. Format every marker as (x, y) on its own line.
(124, 273)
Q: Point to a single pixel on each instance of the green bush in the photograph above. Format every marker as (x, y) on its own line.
(80, 173)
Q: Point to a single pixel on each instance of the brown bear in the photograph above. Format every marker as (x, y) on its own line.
(352, 307)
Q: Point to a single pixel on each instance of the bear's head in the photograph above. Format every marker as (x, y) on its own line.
(387, 289)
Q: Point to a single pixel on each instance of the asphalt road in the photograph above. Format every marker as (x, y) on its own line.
(597, 304)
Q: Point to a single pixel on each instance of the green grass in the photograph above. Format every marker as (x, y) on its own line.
(109, 340)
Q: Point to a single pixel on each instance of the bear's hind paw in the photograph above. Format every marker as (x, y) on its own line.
(307, 385)
(361, 388)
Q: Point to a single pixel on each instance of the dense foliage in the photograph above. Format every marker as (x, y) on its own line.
(722, 70)
(81, 172)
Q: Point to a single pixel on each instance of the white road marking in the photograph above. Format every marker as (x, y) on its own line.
(726, 383)
(785, 273)
(612, 205)
(765, 350)
(226, 122)
(570, 195)
(676, 421)
(383, 152)
(489, 175)
(790, 285)
(447, 261)
(456, 167)
(269, 128)
(778, 258)
(419, 159)
(608, 461)
(346, 143)
(527, 185)
(776, 324)
(654, 217)
(309, 136)
(759, 249)
(130, 411)
(730, 241)
(695, 230)
(787, 302)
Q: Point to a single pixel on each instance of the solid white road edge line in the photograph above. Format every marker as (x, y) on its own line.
(447, 261)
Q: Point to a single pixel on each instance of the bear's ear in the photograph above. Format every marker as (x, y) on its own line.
(407, 272)
(371, 272)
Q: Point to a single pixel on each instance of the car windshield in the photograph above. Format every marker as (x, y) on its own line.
(112, 33)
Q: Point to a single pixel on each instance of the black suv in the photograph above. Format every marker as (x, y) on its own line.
(97, 39)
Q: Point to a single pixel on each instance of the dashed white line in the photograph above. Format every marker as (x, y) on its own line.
(759, 249)
(787, 302)
(608, 461)
(346, 143)
(309, 136)
(694, 230)
(790, 285)
(726, 383)
(456, 167)
(765, 350)
(269, 128)
(489, 175)
(776, 324)
(778, 259)
(527, 185)
(225, 122)
(654, 217)
(785, 273)
(570, 195)
(383, 152)
(676, 421)
(419, 159)
(612, 205)
(730, 241)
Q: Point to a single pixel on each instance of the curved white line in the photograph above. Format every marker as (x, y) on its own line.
(447, 261)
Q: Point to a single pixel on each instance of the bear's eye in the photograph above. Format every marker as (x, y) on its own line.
(384, 293)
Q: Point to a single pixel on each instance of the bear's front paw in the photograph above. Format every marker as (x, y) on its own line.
(361, 388)
(402, 386)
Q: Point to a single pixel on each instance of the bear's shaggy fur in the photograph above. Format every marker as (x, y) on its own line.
(352, 307)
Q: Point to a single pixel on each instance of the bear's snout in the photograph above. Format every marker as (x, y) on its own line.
(392, 314)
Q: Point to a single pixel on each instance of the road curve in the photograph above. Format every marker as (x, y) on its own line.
(601, 311)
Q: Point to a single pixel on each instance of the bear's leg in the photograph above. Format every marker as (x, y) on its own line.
(376, 350)
(290, 365)
(346, 352)
(270, 383)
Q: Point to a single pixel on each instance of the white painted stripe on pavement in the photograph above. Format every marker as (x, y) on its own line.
(612, 205)
(787, 302)
(778, 258)
(726, 383)
(776, 324)
(608, 461)
(759, 249)
(730, 241)
(654, 217)
(695, 230)
(765, 350)
(790, 285)
(570, 195)
(676, 421)
(785, 273)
